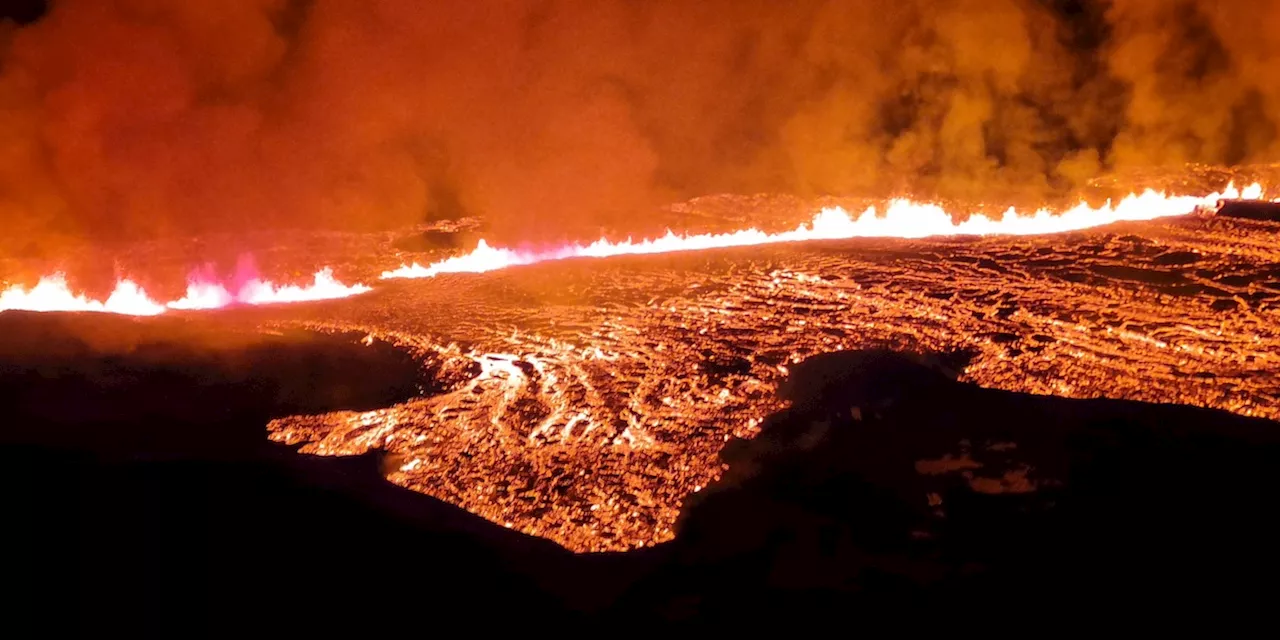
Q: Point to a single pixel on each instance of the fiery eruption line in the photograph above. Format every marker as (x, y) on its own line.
(53, 294)
(902, 219)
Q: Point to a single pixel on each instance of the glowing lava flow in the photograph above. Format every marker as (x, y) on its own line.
(53, 294)
(902, 219)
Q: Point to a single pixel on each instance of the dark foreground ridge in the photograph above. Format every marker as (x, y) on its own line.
(144, 496)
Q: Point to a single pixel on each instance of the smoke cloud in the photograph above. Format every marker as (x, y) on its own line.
(122, 119)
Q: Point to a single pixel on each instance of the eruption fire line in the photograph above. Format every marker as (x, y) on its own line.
(53, 294)
(902, 219)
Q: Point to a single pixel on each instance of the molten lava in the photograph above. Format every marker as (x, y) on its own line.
(591, 412)
(53, 294)
(902, 219)
(589, 418)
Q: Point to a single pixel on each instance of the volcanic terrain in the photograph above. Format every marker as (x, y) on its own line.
(585, 400)
(617, 404)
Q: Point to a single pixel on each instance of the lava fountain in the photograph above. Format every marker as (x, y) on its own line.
(901, 219)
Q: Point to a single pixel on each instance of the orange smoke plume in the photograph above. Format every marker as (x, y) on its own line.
(136, 118)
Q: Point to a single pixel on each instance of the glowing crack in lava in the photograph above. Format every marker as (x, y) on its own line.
(902, 219)
(53, 294)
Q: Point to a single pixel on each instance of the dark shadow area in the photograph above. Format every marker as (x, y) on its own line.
(1250, 210)
(890, 492)
(141, 494)
(176, 386)
(23, 12)
(430, 240)
(450, 234)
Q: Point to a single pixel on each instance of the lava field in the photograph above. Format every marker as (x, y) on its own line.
(584, 401)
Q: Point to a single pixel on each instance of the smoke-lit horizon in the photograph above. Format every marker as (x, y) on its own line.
(135, 118)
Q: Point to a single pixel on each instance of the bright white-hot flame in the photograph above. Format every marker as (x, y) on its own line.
(901, 219)
(206, 295)
(322, 287)
(53, 294)
(203, 295)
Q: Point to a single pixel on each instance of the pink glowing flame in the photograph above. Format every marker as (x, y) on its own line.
(254, 291)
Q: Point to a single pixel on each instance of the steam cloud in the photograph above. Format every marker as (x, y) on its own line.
(131, 118)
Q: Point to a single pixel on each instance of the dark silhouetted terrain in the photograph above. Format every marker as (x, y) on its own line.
(142, 495)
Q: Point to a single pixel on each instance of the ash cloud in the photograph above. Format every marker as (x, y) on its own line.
(122, 119)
